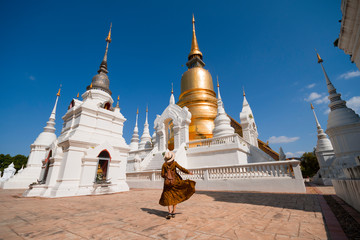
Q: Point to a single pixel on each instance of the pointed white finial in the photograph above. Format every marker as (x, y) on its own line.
(147, 110)
(316, 120)
(172, 99)
(137, 116)
(218, 87)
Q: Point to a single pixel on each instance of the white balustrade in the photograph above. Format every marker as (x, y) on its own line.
(278, 169)
(234, 138)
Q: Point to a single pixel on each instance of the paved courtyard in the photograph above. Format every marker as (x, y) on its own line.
(137, 215)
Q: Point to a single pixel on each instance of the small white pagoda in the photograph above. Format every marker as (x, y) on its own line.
(89, 157)
(38, 151)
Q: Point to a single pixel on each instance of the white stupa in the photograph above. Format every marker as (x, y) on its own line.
(248, 125)
(9, 172)
(222, 121)
(325, 156)
(37, 155)
(89, 157)
(145, 140)
(134, 145)
(343, 127)
(282, 155)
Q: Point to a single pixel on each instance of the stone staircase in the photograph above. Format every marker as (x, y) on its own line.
(155, 162)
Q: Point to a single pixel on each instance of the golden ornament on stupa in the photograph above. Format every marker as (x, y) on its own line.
(197, 93)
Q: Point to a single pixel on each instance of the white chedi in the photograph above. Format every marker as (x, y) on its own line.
(31, 172)
(248, 124)
(343, 128)
(134, 145)
(222, 121)
(145, 141)
(325, 155)
(282, 155)
(8, 172)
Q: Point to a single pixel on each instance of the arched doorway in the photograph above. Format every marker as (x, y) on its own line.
(47, 165)
(102, 167)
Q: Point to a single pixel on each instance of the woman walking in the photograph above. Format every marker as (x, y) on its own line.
(175, 189)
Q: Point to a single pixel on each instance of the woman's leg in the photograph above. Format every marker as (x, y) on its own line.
(174, 209)
(169, 208)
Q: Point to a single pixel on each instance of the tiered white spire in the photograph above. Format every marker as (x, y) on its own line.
(222, 121)
(48, 135)
(323, 143)
(134, 145)
(340, 114)
(145, 141)
(282, 155)
(248, 125)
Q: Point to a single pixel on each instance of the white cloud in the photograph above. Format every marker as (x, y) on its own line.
(311, 85)
(32, 78)
(282, 139)
(354, 103)
(313, 96)
(327, 111)
(350, 74)
(324, 99)
(296, 154)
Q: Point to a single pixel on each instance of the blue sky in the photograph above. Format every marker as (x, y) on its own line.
(265, 46)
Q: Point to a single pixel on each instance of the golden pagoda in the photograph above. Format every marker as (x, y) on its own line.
(197, 93)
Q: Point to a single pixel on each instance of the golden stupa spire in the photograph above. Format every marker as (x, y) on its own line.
(137, 111)
(77, 95)
(58, 93)
(312, 107)
(103, 65)
(194, 44)
(91, 85)
(243, 91)
(108, 39)
(172, 88)
(318, 56)
(118, 97)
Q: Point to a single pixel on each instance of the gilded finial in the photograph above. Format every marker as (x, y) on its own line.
(118, 97)
(137, 111)
(243, 91)
(194, 44)
(312, 107)
(318, 57)
(77, 96)
(147, 108)
(172, 88)
(217, 77)
(90, 85)
(108, 39)
(58, 93)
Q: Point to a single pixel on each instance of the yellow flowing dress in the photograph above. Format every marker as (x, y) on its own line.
(180, 191)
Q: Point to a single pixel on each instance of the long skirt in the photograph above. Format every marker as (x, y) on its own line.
(182, 190)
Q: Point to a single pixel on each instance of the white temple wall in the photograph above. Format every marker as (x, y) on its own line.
(88, 172)
(216, 156)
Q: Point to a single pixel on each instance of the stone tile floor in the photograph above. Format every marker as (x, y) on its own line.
(137, 215)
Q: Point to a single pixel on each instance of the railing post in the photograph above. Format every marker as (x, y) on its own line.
(153, 176)
(206, 175)
(297, 171)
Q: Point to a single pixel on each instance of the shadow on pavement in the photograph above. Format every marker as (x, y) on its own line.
(156, 212)
(305, 202)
